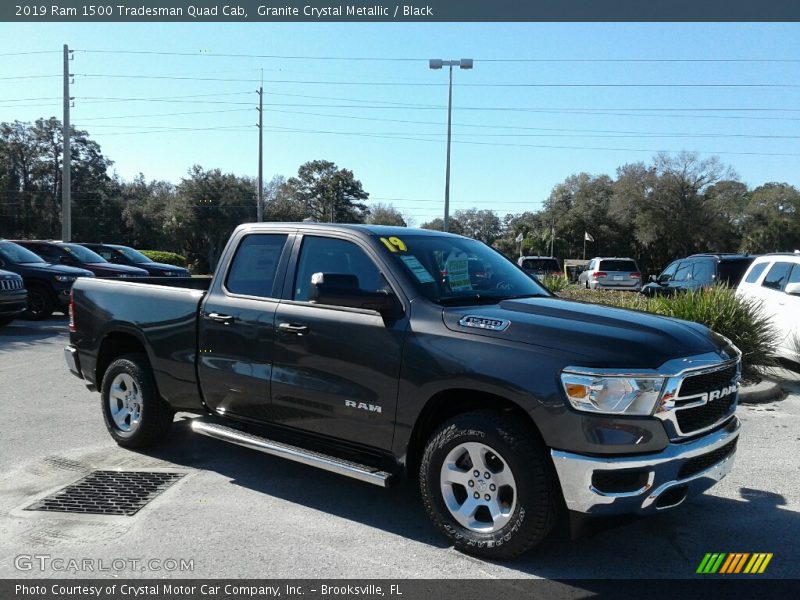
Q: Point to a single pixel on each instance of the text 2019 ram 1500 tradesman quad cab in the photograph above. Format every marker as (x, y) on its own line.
(377, 352)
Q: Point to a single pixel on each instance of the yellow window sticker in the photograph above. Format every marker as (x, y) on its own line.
(394, 244)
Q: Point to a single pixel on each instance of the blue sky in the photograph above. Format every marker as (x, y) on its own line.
(512, 144)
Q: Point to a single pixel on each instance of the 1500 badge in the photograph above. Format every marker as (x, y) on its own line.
(484, 323)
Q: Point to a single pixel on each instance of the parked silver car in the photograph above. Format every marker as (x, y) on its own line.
(611, 274)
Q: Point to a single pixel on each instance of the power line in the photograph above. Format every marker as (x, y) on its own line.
(153, 115)
(434, 84)
(425, 59)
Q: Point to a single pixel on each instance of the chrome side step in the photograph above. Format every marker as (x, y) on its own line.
(301, 455)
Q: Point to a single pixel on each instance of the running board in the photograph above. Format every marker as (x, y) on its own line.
(301, 455)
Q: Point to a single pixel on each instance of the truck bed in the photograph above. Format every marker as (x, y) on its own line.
(160, 312)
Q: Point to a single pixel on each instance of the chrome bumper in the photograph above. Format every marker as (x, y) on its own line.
(659, 475)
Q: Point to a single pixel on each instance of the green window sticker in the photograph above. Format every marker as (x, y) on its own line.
(458, 274)
(419, 271)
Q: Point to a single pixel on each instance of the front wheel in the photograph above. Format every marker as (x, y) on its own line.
(40, 303)
(487, 484)
(134, 413)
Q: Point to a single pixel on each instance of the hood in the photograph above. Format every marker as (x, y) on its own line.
(112, 269)
(166, 267)
(52, 268)
(598, 336)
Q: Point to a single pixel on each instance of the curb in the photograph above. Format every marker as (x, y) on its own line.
(763, 391)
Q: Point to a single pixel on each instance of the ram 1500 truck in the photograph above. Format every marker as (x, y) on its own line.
(380, 353)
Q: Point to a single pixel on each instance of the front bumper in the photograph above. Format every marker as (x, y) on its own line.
(661, 480)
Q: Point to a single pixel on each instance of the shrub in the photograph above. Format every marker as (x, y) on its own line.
(719, 308)
(170, 258)
(554, 283)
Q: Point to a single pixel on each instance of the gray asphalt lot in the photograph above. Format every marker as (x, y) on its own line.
(238, 513)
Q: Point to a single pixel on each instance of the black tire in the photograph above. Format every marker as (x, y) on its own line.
(40, 303)
(156, 416)
(5, 321)
(536, 509)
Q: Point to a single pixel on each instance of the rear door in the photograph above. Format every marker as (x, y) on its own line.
(236, 327)
(336, 369)
(779, 304)
(703, 273)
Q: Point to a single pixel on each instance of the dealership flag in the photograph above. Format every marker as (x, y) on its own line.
(587, 237)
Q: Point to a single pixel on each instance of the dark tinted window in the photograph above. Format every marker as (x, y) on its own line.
(618, 265)
(753, 275)
(104, 252)
(82, 254)
(731, 272)
(683, 272)
(777, 276)
(703, 270)
(330, 255)
(49, 253)
(543, 265)
(253, 269)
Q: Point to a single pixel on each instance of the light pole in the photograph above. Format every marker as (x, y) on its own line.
(438, 63)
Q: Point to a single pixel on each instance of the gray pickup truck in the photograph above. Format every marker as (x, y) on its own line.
(380, 353)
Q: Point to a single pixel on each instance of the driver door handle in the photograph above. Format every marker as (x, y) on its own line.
(292, 328)
(220, 318)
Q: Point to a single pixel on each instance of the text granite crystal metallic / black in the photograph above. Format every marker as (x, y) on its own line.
(380, 353)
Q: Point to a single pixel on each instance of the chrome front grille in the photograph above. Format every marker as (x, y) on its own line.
(698, 400)
(11, 284)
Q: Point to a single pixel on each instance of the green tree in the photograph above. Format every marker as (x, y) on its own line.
(385, 214)
(483, 225)
(437, 224)
(329, 193)
(772, 219)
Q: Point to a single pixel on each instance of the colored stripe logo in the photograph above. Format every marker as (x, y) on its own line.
(736, 562)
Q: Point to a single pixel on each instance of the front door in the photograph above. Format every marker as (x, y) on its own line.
(336, 369)
(236, 329)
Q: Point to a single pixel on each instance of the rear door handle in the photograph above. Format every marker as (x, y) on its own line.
(292, 328)
(220, 318)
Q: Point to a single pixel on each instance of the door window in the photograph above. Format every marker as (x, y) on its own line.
(255, 264)
(703, 271)
(331, 255)
(794, 276)
(777, 276)
(683, 272)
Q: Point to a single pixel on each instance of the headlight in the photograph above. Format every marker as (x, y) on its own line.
(64, 278)
(613, 395)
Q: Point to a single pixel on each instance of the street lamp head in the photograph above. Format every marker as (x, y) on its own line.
(465, 63)
(435, 63)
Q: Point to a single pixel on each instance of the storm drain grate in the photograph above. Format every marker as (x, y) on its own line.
(108, 493)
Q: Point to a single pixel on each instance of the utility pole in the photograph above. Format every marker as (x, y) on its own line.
(260, 208)
(66, 181)
(552, 237)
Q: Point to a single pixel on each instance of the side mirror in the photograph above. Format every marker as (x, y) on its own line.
(793, 289)
(339, 289)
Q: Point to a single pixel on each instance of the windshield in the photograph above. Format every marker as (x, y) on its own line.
(542, 265)
(453, 270)
(84, 255)
(133, 255)
(11, 252)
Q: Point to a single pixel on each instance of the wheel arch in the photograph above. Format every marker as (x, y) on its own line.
(115, 344)
(451, 402)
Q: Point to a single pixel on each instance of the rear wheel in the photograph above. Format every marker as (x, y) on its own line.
(488, 486)
(40, 303)
(134, 413)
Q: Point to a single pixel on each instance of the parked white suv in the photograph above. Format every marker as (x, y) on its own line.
(774, 279)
